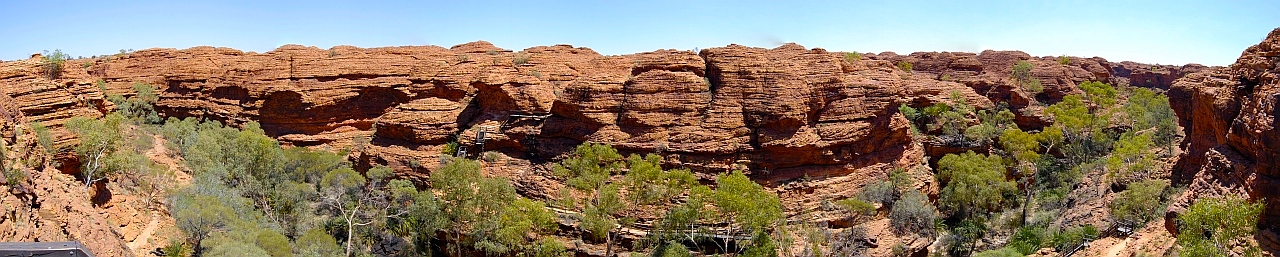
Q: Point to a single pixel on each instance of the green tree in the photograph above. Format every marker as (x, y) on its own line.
(483, 212)
(973, 184)
(1130, 157)
(588, 170)
(1211, 226)
(1022, 74)
(1146, 109)
(200, 215)
(1099, 93)
(100, 150)
(1138, 204)
(589, 166)
(647, 183)
(748, 206)
(44, 138)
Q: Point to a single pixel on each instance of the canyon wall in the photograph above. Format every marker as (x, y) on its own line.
(787, 110)
(1229, 115)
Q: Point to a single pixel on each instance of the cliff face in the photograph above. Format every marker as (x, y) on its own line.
(781, 109)
(1230, 118)
(809, 124)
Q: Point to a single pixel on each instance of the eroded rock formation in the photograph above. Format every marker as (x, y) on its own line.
(808, 123)
(1230, 118)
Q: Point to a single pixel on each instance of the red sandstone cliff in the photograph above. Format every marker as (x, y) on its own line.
(1230, 118)
(809, 123)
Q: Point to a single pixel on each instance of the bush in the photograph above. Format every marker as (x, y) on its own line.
(548, 247)
(273, 243)
(913, 213)
(520, 59)
(450, 148)
(53, 63)
(1033, 86)
(44, 138)
(672, 249)
(1070, 238)
(1211, 226)
(1139, 204)
(1064, 60)
(880, 191)
(140, 107)
(1002, 252)
(852, 56)
(904, 66)
(316, 242)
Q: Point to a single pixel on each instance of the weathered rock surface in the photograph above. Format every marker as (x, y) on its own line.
(770, 109)
(807, 123)
(1230, 118)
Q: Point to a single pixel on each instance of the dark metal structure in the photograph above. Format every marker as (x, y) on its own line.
(34, 249)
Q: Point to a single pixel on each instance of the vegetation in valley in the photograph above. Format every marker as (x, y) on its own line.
(251, 196)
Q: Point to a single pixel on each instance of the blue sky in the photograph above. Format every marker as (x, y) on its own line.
(1166, 32)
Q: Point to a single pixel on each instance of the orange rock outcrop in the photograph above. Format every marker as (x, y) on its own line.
(1233, 140)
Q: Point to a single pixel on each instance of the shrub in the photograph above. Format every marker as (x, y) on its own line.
(1064, 60)
(1069, 238)
(450, 148)
(177, 248)
(520, 59)
(672, 249)
(548, 247)
(139, 107)
(852, 56)
(273, 243)
(44, 138)
(913, 213)
(1027, 240)
(1211, 226)
(880, 191)
(851, 242)
(1033, 86)
(53, 63)
(1002, 252)
(316, 242)
(904, 66)
(1138, 204)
